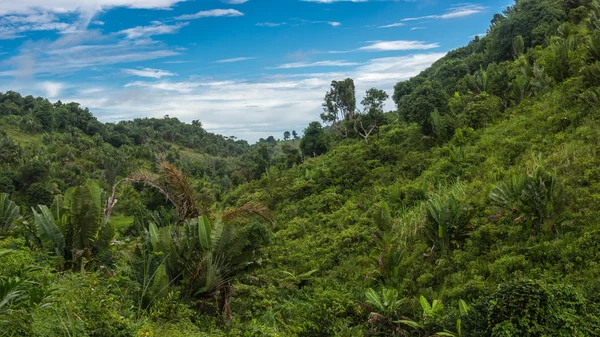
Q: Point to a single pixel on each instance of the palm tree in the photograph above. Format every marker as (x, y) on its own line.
(75, 227)
(201, 257)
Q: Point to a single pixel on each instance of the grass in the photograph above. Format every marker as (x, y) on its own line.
(20, 136)
(121, 222)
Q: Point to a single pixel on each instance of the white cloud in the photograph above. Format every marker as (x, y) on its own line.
(398, 24)
(149, 72)
(75, 52)
(156, 28)
(18, 17)
(235, 59)
(334, 23)
(51, 89)
(270, 24)
(399, 45)
(248, 109)
(15, 26)
(211, 13)
(316, 64)
(418, 28)
(455, 12)
(234, 2)
(81, 6)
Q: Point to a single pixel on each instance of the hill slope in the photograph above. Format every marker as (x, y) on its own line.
(470, 210)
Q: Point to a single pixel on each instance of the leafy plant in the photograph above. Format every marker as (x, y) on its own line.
(386, 303)
(536, 200)
(74, 228)
(9, 213)
(447, 221)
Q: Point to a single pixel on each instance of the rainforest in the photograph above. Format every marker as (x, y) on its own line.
(469, 208)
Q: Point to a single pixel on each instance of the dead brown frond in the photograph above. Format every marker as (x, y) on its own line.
(182, 190)
(174, 185)
(247, 211)
(152, 180)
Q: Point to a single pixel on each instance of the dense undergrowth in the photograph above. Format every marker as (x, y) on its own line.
(472, 210)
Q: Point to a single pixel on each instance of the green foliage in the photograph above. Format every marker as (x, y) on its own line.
(531, 308)
(447, 222)
(74, 227)
(9, 213)
(314, 142)
(386, 304)
(537, 200)
(381, 237)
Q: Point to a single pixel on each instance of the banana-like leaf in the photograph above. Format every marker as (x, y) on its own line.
(51, 236)
(57, 207)
(85, 214)
(463, 307)
(427, 310)
(153, 233)
(374, 300)
(410, 323)
(164, 240)
(383, 219)
(204, 233)
(160, 282)
(105, 236)
(9, 213)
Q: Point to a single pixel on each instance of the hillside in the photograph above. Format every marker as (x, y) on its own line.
(471, 209)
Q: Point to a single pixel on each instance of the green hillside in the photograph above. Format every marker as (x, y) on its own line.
(471, 209)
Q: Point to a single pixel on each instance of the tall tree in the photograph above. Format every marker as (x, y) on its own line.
(340, 102)
(286, 135)
(295, 134)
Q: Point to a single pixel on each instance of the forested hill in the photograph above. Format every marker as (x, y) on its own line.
(47, 148)
(471, 209)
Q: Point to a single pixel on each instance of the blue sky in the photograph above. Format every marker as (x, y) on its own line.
(248, 68)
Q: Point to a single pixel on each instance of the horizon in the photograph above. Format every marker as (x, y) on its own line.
(249, 69)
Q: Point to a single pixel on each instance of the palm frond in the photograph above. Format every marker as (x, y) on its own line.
(85, 214)
(9, 213)
(247, 211)
(174, 185)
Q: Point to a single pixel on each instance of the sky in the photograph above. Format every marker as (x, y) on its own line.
(244, 68)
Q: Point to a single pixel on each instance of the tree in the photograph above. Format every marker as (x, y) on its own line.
(417, 106)
(203, 259)
(340, 102)
(314, 142)
(286, 135)
(372, 115)
(75, 227)
(261, 159)
(271, 140)
(295, 134)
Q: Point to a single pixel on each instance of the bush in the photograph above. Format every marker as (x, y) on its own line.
(528, 308)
